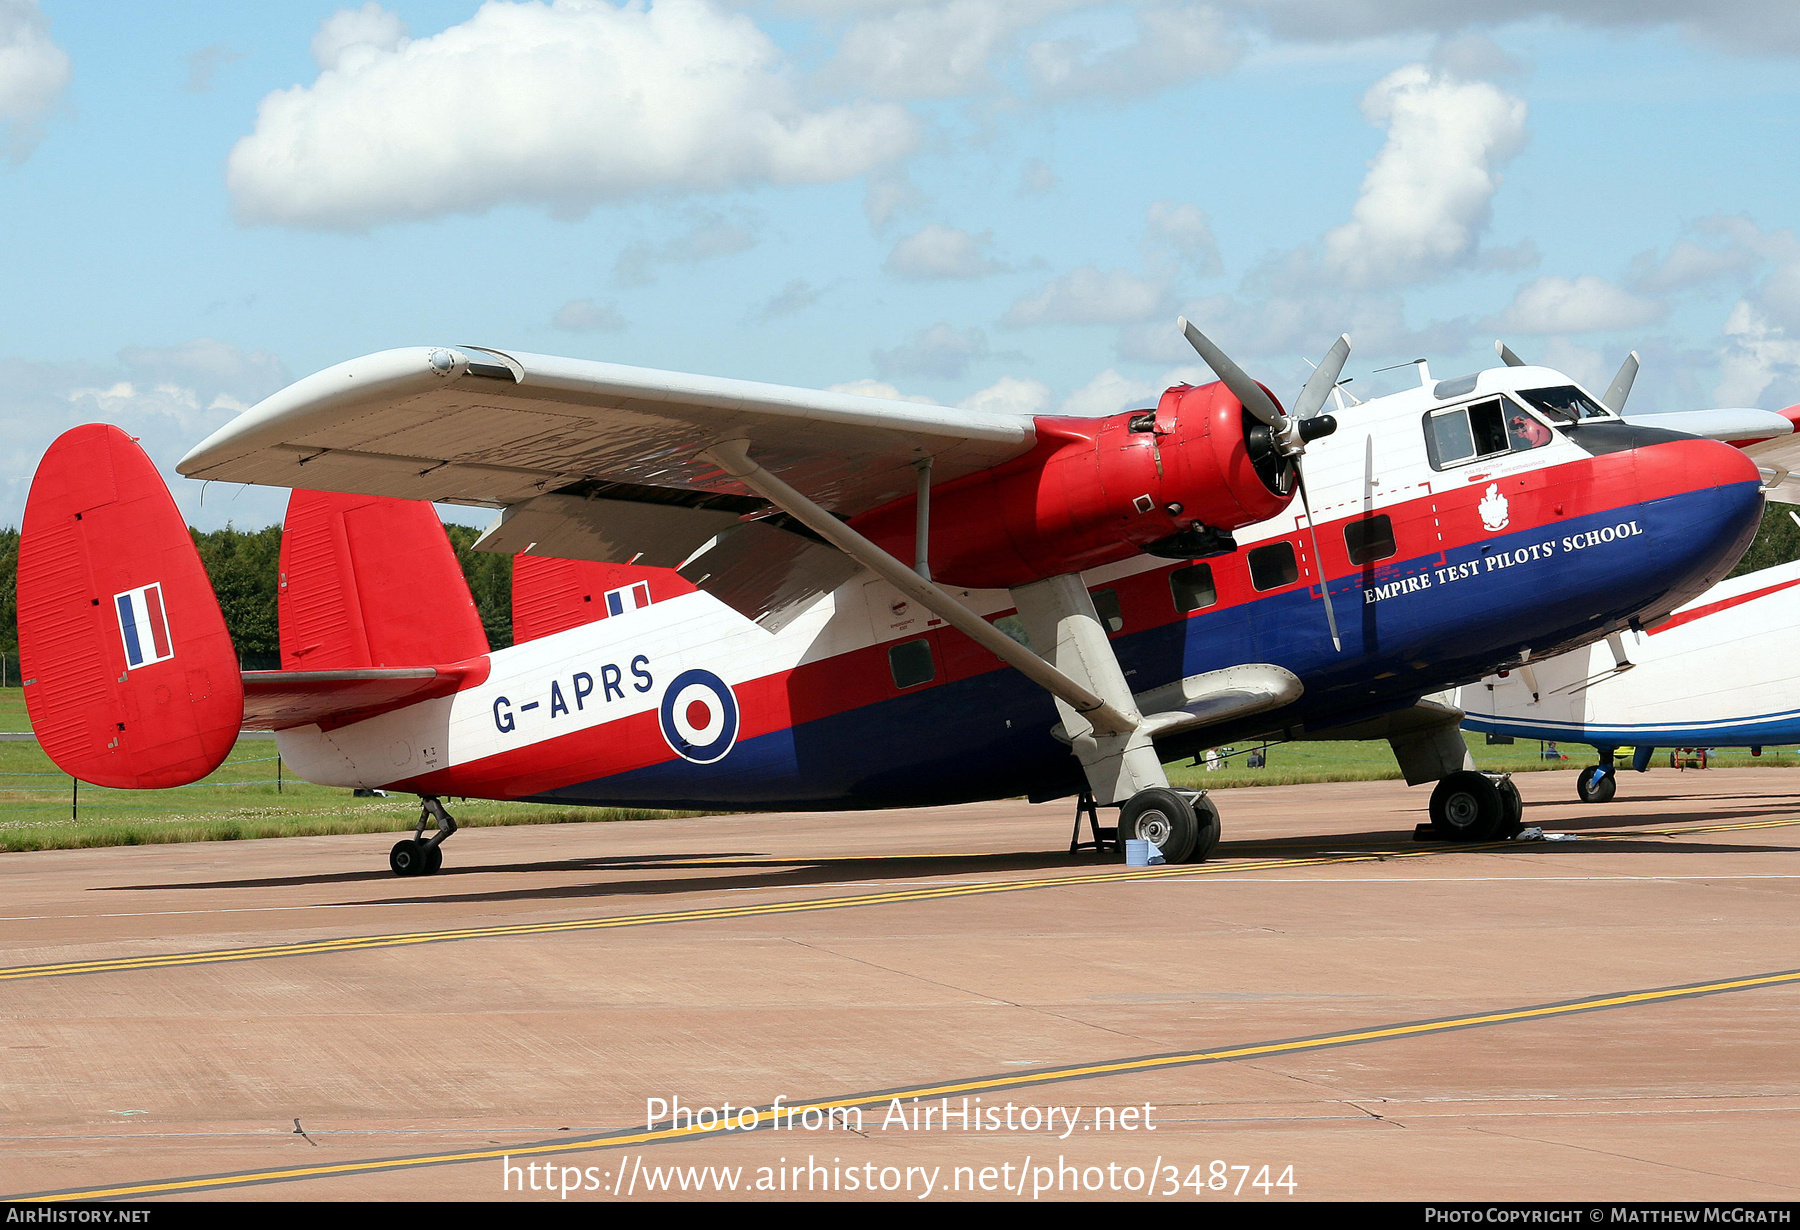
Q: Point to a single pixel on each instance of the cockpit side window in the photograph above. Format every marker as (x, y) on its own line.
(1467, 433)
(1565, 404)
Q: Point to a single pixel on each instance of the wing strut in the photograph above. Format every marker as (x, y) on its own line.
(733, 457)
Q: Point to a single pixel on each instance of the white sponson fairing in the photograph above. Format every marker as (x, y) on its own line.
(1718, 670)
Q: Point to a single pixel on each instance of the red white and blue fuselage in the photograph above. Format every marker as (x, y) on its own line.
(686, 703)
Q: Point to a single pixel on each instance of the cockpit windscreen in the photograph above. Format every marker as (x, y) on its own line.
(1566, 404)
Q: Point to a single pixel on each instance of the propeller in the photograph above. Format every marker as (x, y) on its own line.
(1290, 432)
(1616, 393)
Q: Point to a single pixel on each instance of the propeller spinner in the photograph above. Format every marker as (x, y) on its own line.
(1291, 432)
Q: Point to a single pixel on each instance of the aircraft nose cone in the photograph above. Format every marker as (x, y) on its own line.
(1702, 505)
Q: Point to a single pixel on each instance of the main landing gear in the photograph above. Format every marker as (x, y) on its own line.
(1471, 806)
(1182, 824)
(417, 856)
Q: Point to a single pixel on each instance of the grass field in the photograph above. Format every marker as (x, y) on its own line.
(41, 808)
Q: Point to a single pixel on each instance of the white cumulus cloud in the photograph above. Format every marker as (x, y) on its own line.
(941, 350)
(563, 105)
(1090, 296)
(1428, 195)
(931, 51)
(1587, 304)
(357, 33)
(169, 397)
(943, 252)
(33, 72)
(1010, 395)
(1174, 43)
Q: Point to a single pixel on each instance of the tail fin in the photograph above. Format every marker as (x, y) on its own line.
(554, 595)
(371, 582)
(130, 676)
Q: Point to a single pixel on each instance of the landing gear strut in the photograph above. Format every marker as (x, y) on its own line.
(1184, 825)
(1598, 783)
(417, 856)
(1471, 806)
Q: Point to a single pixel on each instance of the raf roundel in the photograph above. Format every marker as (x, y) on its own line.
(699, 716)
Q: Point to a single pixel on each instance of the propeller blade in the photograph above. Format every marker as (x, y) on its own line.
(1246, 390)
(1323, 380)
(1507, 356)
(1621, 385)
(1318, 560)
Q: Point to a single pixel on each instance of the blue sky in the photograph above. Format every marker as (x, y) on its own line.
(998, 202)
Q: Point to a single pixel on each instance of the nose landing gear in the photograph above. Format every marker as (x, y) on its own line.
(417, 856)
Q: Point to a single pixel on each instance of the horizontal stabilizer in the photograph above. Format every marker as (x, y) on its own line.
(277, 700)
(131, 680)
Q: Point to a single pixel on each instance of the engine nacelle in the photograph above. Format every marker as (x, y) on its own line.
(1096, 491)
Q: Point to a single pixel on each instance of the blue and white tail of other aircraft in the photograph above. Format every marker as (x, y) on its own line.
(1719, 672)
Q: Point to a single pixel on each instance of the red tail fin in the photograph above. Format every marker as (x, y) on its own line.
(370, 582)
(130, 675)
(554, 595)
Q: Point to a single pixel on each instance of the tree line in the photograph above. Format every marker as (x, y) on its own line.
(243, 566)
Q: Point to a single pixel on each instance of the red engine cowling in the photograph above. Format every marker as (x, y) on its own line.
(1095, 491)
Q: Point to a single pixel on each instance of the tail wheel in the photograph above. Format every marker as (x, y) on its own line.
(1468, 806)
(1596, 785)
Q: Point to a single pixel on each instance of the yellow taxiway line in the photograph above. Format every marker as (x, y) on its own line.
(767, 1115)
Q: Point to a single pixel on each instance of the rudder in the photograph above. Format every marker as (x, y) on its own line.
(131, 679)
(371, 582)
(553, 595)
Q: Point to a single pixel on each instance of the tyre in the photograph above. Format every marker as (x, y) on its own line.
(407, 858)
(1166, 820)
(1207, 817)
(1467, 806)
(1513, 807)
(434, 858)
(1596, 785)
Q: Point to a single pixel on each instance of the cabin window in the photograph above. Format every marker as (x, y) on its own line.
(1106, 605)
(1466, 433)
(911, 664)
(1192, 588)
(1273, 566)
(1370, 539)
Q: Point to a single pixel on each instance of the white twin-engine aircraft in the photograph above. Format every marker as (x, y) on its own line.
(839, 601)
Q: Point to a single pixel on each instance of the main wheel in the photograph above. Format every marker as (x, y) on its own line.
(434, 858)
(1164, 819)
(1597, 784)
(1467, 806)
(1207, 817)
(1514, 807)
(409, 858)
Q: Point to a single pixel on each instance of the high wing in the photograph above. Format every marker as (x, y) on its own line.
(548, 438)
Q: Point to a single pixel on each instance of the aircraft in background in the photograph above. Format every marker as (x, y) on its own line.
(880, 603)
(1711, 675)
